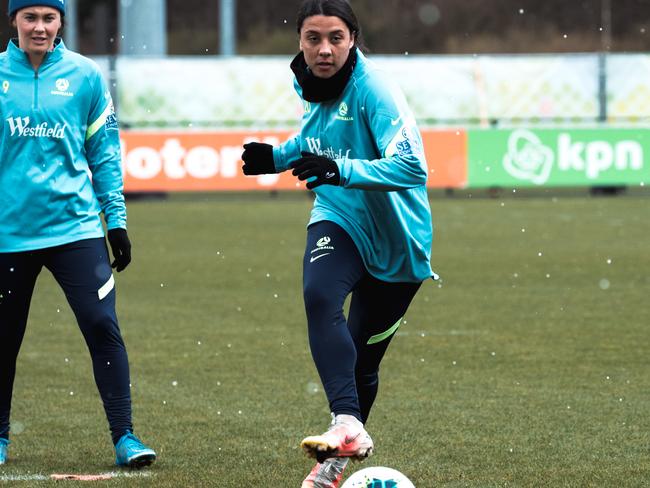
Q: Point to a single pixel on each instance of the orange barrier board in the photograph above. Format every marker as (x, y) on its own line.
(211, 161)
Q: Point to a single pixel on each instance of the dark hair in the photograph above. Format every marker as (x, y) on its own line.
(331, 8)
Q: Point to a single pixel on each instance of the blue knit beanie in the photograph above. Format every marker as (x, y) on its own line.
(16, 5)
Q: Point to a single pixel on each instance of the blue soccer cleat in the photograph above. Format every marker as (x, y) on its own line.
(4, 443)
(132, 453)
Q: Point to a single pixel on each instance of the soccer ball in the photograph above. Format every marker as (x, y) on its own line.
(378, 477)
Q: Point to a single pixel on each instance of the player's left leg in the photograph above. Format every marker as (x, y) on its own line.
(83, 270)
(376, 311)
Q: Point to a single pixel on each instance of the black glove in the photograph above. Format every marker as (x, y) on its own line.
(324, 169)
(258, 159)
(121, 247)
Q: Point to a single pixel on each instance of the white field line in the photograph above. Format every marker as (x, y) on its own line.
(24, 477)
(43, 477)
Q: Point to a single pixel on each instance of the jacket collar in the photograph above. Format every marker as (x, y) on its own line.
(318, 90)
(17, 54)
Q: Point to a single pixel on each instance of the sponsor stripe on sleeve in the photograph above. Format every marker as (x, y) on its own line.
(101, 120)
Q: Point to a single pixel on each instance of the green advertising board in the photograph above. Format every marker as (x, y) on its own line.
(551, 157)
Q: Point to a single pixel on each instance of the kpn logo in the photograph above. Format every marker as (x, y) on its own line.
(529, 159)
(22, 127)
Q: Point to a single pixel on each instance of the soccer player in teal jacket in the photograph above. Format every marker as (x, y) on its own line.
(60, 170)
(370, 230)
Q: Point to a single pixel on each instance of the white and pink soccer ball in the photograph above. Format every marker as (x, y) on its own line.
(378, 477)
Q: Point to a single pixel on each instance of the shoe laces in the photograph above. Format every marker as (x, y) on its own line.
(129, 439)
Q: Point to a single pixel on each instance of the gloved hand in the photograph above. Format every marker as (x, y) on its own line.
(121, 247)
(324, 169)
(258, 159)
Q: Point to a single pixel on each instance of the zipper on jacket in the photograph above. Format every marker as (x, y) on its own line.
(36, 89)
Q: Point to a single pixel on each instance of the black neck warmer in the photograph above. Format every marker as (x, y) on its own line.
(318, 90)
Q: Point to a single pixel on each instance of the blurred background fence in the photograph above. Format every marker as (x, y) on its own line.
(464, 90)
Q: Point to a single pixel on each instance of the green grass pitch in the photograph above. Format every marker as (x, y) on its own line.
(528, 366)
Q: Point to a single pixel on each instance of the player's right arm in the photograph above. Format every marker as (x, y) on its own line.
(286, 153)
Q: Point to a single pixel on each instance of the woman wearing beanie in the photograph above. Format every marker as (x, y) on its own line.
(60, 170)
(370, 230)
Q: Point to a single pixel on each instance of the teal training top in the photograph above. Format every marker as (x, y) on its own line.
(60, 158)
(382, 203)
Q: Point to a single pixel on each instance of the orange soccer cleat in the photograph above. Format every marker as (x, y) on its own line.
(346, 437)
